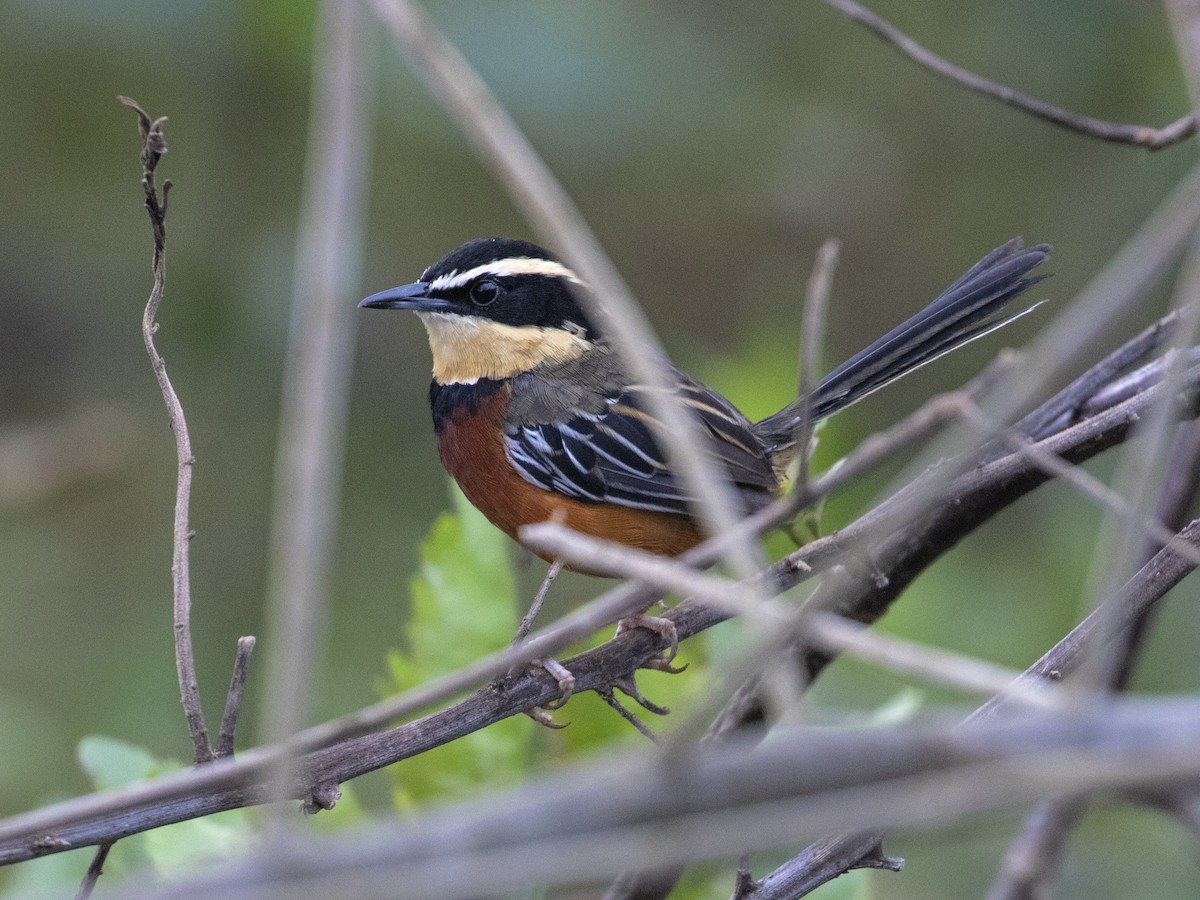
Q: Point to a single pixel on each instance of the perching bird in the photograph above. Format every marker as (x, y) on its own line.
(536, 418)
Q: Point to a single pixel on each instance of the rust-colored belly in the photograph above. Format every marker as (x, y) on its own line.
(471, 446)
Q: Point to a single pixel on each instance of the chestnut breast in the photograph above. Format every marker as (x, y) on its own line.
(468, 420)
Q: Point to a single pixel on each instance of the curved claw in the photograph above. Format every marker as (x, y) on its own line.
(663, 664)
(542, 717)
(628, 685)
(663, 627)
(566, 681)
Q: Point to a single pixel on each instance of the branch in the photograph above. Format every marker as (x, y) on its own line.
(904, 544)
(579, 824)
(316, 378)
(233, 700)
(812, 336)
(95, 870)
(1136, 135)
(154, 145)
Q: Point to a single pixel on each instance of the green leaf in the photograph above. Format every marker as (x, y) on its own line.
(463, 607)
(463, 599)
(113, 763)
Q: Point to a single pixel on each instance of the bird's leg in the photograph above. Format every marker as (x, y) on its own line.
(556, 670)
(665, 629)
(527, 620)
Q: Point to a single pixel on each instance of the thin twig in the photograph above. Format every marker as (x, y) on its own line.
(95, 870)
(316, 376)
(837, 634)
(233, 700)
(1114, 132)
(812, 338)
(933, 414)
(1092, 488)
(154, 145)
(827, 631)
(827, 859)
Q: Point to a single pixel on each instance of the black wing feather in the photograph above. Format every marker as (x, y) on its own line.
(615, 456)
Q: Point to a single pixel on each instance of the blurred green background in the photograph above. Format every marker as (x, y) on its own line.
(713, 147)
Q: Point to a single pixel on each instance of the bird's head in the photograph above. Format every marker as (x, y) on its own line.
(494, 308)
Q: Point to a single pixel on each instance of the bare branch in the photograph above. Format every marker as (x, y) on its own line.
(903, 552)
(316, 375)
(153, 147)
(95, 870)
(583, 823)
(836, 634)
(233, 700)
(812, 337)
(1136, 135)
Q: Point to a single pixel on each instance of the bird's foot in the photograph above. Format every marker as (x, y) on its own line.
(557, 671)
(665, 629)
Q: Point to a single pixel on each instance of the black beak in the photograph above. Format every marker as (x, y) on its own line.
(413, 296)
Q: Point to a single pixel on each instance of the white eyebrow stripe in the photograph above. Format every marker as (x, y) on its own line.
(514, 265)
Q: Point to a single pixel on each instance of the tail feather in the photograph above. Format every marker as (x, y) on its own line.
(967, 310)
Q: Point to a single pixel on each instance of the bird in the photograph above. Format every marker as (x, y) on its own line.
(537, 418)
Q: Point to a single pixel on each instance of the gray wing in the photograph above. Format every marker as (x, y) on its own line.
(613, 454)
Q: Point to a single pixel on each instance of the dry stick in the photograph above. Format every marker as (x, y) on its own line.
(812, 338)
(226, 784)
(233, 700)
(500, 144)
(579, 824)
(827, 859)
(1035, 855)
(783, 683)
(1136, 135)
(829, 632)
(317, 370)
(835, 634)
(154, 145)
(1092, 488)
(95, 870)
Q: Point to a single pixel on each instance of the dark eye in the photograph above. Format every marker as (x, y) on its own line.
(484, 292)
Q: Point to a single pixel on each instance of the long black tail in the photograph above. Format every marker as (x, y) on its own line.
(968, 309)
